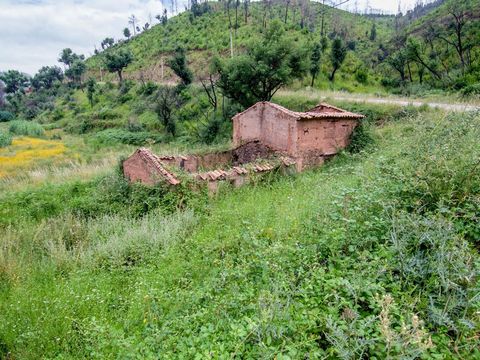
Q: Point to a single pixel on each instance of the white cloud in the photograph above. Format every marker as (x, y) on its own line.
(32, 33)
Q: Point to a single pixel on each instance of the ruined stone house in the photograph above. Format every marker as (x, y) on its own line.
(266, 136)
(308, 137)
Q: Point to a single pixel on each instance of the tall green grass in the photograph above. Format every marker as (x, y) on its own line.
(28, 128)
(5, 139)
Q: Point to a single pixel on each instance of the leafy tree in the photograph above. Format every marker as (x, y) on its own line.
(315, 61)
(179, 66)
(67, 57)
(75, 71)
(117, 61)
(416, 54)
(127, 33)
(46, 77)
(398, 61)
(91, 90)
(166, 103)
(337, 56)
(107, 42)
(373, 32)
(268, 64)
(14, 80)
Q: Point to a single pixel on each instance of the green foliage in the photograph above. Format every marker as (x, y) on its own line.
(179, 66)
(373, 32)
(6, 116)
(315, 61)
(46, 77)
(337, 56)
(5, 139)
(269, 63)
(91, 90)
(116, 61)
(361, 139)
(167, 99)
(75, 71)
(14, 81)
(28, 128)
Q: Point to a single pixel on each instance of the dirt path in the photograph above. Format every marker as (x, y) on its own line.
(444, 106)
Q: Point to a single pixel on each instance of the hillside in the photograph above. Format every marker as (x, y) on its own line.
(209, 34)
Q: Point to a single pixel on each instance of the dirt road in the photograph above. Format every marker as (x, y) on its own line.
(443, 106)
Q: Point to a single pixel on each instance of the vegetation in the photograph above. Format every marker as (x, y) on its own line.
(371, 255)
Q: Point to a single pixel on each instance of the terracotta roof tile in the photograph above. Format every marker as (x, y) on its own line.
(311, 114)
(154, 160)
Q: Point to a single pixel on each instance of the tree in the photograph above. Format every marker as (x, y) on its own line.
(15, 81)
(268, 64)
(287, 3)
(67, 57)
(179, 66)
(127, 33)
(337, 56)
(398, 61)
(132, 20)
(91, 90)
(373, 32)
(107, 42)
(75, 71)
(245, 9)
(117, 61)
(166, 103)
(415, 53)
(46, 77)
(315, 61)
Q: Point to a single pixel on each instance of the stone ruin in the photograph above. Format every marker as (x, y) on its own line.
(266, 137)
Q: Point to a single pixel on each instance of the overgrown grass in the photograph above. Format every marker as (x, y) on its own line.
(372, 255)
(27, 128)
(5, 139)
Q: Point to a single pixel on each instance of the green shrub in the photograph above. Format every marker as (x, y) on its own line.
(5, 139)
(361, 138)
(28, 128)
(471, 90)
(6, 116)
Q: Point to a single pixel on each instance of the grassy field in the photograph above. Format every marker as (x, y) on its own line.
(373, 255)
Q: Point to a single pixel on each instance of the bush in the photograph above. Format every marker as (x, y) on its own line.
(361, 138)
(361, 76)
(471, 90)
(5, 139)
(6, 116)
(28, 128)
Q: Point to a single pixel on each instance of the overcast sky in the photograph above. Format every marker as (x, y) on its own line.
(33, 32)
